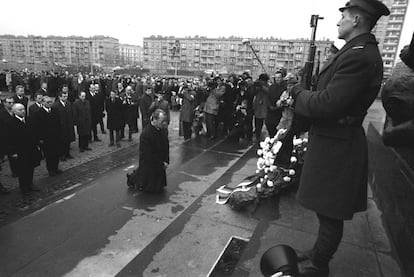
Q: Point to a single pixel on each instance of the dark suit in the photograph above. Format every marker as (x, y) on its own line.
(144, 106)
(97, 108)
(131, 113)
(115, 120)
(334, 181)
(52, 86)
(23, 142)
(5, 118)
(66, 124)
(83, 122)
(273, 112)
(33, 109)
(48, 130)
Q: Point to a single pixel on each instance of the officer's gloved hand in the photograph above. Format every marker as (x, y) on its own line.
(295, 91)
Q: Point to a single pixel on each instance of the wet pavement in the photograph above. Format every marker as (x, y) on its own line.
(99, 228)
(102, 228)
(82, 168)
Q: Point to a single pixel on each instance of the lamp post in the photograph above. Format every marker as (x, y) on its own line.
(90, 56)
(247, 42)
(175, 50)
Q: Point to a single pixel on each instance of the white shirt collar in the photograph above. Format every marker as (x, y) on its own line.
(19, 118)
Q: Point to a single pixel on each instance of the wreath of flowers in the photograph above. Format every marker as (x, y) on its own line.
(273, 177)
(269, 178)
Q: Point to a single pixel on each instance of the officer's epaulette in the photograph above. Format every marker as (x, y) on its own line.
(359, 47)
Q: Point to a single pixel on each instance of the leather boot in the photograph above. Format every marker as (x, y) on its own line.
(304, 255)
(312, 270)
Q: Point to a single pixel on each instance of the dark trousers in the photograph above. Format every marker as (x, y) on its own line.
(134, 126)
(13, 165)
(131, 129)
(94, 131)
(83, 141)
(228, 121)
(329, 237)
(52, 163)
(271, 128)
(187, 129)
(66, 149)
(114, 133)
(25, 177)
(258, 125)
(102, 126)
(211, 122)
(238, 132)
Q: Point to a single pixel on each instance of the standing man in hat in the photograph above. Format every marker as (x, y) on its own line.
(334, 175)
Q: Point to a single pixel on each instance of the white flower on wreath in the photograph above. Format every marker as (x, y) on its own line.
(297, 142)
(286, 179)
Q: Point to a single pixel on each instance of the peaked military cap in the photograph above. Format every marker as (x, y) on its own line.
(374, 8)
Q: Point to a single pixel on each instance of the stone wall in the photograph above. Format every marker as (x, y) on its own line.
(391, 176)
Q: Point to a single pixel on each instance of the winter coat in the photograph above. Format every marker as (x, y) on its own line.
(82, 117)
(212, 102)
(66, 120)
(153, 152)
(334, 176)
(115, 111)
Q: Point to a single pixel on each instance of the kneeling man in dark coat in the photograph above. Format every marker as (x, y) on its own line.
(154, 154)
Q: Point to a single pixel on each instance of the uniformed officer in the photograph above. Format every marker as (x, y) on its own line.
(334, 175)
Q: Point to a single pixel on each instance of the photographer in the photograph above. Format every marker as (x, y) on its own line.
(260, 103)
(274, 112)
(227, 108)
(211, 107)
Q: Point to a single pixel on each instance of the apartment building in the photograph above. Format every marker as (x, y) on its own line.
(231, 55)
(130, 54)
(48, 52)
(388, 32)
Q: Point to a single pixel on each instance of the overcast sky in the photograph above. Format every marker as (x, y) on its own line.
(131, 20)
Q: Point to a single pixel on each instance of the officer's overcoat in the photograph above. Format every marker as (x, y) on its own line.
(334, 175)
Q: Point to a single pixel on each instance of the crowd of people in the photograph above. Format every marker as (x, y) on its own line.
(210, 106)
